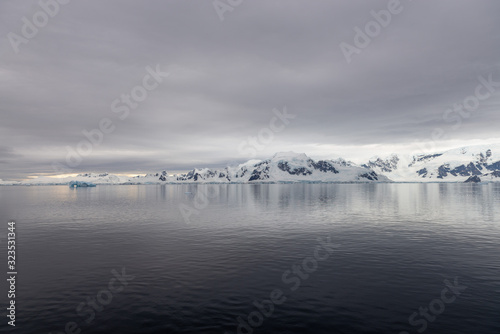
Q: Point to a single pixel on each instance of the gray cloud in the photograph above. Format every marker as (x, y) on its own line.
(226, 78)
(7, 154)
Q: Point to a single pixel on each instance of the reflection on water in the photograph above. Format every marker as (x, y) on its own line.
(202, 255)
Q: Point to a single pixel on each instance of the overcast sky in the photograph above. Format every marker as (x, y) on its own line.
(227, 76)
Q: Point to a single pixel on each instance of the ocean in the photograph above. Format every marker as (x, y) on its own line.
(254, 258)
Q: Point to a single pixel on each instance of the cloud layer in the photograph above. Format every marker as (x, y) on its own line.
(226, 77)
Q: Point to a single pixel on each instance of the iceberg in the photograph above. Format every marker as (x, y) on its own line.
(78, 184)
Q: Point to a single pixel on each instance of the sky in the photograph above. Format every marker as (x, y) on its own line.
(137, 86)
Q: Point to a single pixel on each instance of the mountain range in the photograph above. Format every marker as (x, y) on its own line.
(466, 164)
(473, 163)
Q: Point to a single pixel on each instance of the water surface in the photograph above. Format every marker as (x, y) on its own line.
(201, 255)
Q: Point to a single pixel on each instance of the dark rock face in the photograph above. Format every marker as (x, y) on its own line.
(297, 171)
(372, 176)
(473, 179)
(443, 171)
(483, 159)
(423, 172)
(462, 170)
(163, 176)
(260, 172)
(425, 158)
(494, 166)
(243, 171)
(189, 176)
(385, 166)
(225, 174)
(343, 162)
(466, 170)
(496, 173)
(259, 175)
(324, 166)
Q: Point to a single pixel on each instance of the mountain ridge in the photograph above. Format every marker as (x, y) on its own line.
(283, 167)
(455, 165)
(465, 164)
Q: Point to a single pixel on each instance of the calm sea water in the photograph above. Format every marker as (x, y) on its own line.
(204, 258)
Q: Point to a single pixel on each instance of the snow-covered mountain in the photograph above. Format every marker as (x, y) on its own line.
(285, 167)
(98, 178)
(466, 164)
(282, 167)
(473, 164)
(387, 165)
